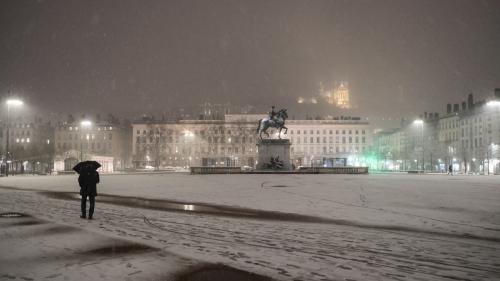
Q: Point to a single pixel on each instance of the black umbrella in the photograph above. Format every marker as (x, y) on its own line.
(91, 165)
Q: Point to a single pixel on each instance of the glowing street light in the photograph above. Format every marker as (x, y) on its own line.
(13, 103)
(493, 103)
(420, 123)
(188, 134)
(85, 124)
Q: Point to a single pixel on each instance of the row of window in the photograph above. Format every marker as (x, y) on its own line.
(76, 146)
(191, 133)
(75, 128)
(244, 131)
(209, 150)
(327, 150)
(22, 133)
(338, 139)
(177, 139)
(243, 150)
(452, 124)
(477, 142)
(102, 136)
(466, 131)
(337, 132)
(22, 140)
(22, 125)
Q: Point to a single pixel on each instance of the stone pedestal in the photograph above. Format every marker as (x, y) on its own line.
(274, 148)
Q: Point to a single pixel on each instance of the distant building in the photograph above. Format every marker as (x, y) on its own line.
(467, 137)
(107, 142)
(214, 111)
(31, 143)
(340, 97)
(337, 95)
(326, 143)
(194, 143)
(390, 149)
(232, 142)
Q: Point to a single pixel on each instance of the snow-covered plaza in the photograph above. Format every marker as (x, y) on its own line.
(282, 227)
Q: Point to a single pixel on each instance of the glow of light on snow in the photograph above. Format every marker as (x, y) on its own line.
(188, 207)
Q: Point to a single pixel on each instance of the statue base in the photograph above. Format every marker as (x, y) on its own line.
(274, 149)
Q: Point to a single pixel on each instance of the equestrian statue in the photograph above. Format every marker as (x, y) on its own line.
(273, 120)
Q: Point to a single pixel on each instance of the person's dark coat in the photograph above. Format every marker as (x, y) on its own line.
(88, 180)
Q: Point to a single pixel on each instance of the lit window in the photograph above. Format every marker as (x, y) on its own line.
(17, 140)
(22, 140)
(28, 140)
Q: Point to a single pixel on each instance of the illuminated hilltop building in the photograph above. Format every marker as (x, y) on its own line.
(337, 96)
(340, 96)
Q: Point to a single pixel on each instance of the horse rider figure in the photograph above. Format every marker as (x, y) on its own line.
(273, 120)
(272, 114)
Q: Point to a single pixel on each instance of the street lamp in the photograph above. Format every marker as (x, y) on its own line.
(489, 155)
(493, 103)
(13, 103)
(420, 123)
(157, 146)
(84, 124)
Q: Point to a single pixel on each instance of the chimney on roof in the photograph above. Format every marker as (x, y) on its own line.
(448, 108)
(464, 106)
(470, 101)
(425, 115)
(456, 107)
(497, 93)
(436, 115)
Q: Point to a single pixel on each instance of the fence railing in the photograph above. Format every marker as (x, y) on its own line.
(301, 170)
(334, 170)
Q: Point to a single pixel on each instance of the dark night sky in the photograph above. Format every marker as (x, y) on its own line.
(129, 57)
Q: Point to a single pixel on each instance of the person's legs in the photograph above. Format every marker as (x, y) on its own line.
(92, 204)
(84, 206)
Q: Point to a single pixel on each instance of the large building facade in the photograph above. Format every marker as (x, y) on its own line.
(467, 137)
(232, 142)
(341, 96)
(228, 142)
(31, 145)
(103, 141)
(335, 142)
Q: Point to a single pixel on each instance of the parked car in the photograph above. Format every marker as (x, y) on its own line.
(246, 168)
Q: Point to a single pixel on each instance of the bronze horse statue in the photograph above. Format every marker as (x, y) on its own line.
(277, 122)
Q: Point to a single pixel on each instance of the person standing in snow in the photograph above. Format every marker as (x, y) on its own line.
(450, 170)
(88, 180)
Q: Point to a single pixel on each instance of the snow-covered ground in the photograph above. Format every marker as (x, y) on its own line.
(386, 227)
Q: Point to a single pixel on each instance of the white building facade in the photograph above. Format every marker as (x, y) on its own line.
(232, 142)
(105, 142)
(467, 138)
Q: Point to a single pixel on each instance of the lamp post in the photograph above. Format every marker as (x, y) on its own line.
(494, 106)
(157, 145)
(189, 138)
(13, 103)
(84, 124)
(420, 123)
(489, 155)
